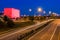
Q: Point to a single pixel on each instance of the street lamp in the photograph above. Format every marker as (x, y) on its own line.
(44, 12)
(30, 10)
(39, 9)
(49, 12)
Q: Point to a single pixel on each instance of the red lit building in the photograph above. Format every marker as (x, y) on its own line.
(12, 12)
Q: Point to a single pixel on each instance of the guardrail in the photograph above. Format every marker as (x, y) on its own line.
(28, 34)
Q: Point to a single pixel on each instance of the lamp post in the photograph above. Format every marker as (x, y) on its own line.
(39, 10)
(30, 11)
(49, 12)
(44, 13)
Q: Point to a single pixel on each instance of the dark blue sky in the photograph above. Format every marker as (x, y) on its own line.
(24, 5)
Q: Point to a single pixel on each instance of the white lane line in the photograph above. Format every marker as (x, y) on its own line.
(53, 33)
(39, 32)
(18, 31)
(59, 35)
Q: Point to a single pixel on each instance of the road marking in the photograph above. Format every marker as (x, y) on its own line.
(38, 32)
(53, 33)
(59, 36)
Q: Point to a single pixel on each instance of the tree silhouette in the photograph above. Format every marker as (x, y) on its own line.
(8, 21)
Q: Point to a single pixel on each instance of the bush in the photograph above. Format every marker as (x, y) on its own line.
(1, 23)
(5, 18)
(8, 21)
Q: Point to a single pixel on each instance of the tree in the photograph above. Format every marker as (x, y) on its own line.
(1, 23)
(5, 18)
(8, 21)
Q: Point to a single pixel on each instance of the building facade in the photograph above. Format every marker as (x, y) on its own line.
(12, 12)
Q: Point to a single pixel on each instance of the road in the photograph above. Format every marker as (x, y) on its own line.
(57, 34)
(13, 35)
(50, 32)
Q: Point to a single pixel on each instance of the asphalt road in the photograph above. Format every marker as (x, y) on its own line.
(13, 35)
(50, 32)
(57, 34)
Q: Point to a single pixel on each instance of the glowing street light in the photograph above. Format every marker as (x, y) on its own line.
(49, 12)
(39, 9)
(30, 10)
(44, 12)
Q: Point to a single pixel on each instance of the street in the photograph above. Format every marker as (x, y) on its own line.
(29, 19)
(50, 32)
(13, 35)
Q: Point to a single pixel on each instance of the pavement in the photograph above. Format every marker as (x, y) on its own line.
(50, 32)
(57, 34)
(13, 35)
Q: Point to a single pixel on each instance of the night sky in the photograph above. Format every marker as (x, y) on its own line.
(24, 5)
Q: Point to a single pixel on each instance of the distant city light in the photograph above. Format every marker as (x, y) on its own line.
(55, 14)
(27, 15)
(39, 9)
(39, 15)
(35, 15)
(24, 15)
